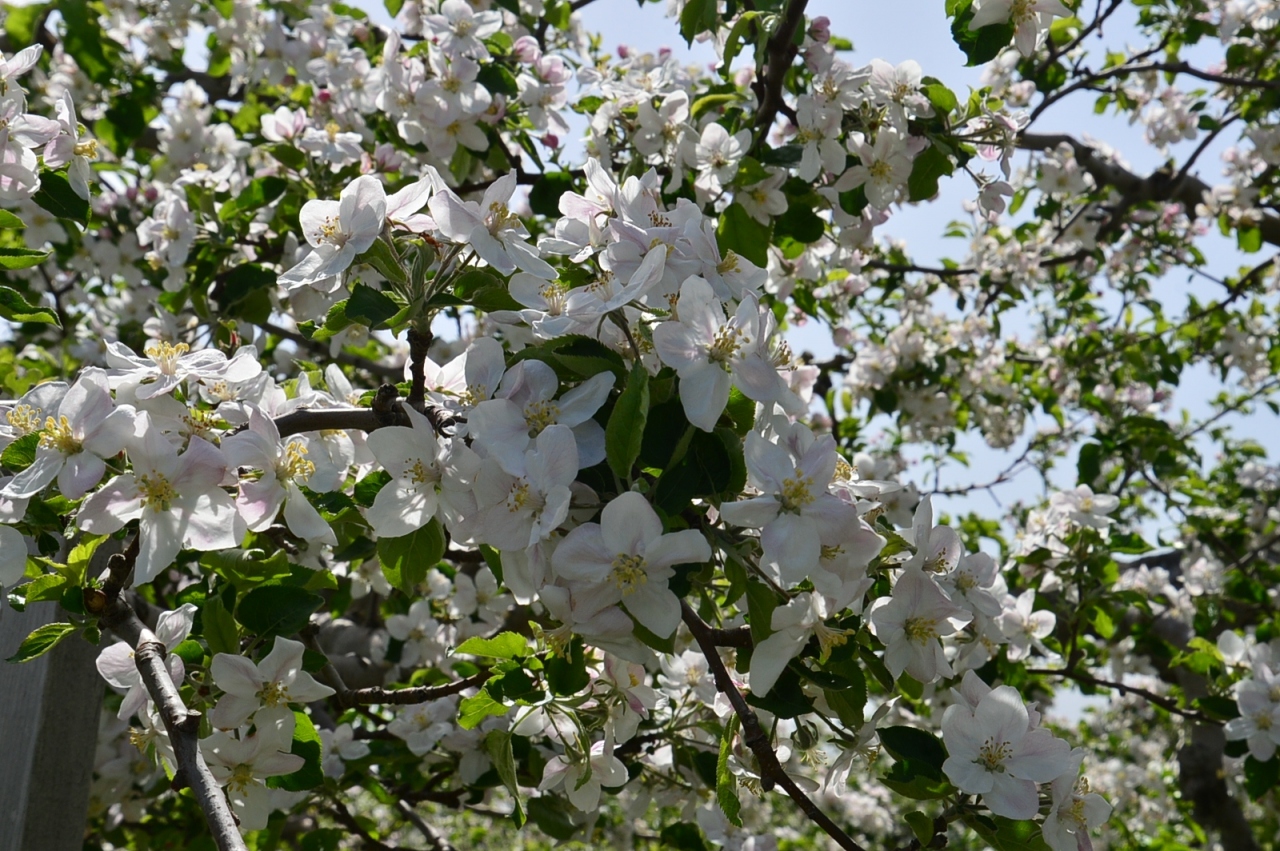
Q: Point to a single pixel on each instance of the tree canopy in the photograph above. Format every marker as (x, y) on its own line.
(419, 418)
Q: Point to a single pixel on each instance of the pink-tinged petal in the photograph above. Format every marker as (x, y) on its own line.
(704, 393)
(1012, 798)
(654, 607)
(314, 217)
(679, 346)
(201, 467)
(791, 542)
(13, 556)
(768, 464)
(42, 471)
(770, 659)
(259, 502)
(110, 508)
(580, 403)
(212, 523)
(79, 474)
(758, 379)
(754, 513)
(117, 666)
(400, 508)
(283, 663)
(684, 547)
(232, 711)
(113, 434)
(1039, 757)
(303, 519)
(236, 675)
(172, 628)
(628, 523)
(832, 517)
(583, 555)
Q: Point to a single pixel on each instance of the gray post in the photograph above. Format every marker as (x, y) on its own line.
(48, 730)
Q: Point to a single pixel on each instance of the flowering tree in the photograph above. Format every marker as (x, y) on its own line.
(419, 482)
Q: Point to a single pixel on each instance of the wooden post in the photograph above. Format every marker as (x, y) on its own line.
(48, 731)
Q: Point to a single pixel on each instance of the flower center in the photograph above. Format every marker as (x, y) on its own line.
(241, 778)
(274, 694)
(58, 436)
(24, 418)
(726, 344)
(88, 150)
(500, 217)
(295, 464)
(992, 754)
(797, 492)
(829, 638)
(539, 415)
(332, 129)
(1262, 721)
(730, 261)
(166, 355)
(880, 171)
(419, 473)
(157, 493)
(629, 572)
(524, 498)
(920, 630)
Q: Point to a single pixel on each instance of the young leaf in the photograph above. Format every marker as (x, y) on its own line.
(41, 640)
(625, 431)
(406, 560)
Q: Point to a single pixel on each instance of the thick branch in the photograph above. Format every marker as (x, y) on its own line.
(181, 723)
(385, 412)
(1187, 190)
(754, 736)
(779, 54)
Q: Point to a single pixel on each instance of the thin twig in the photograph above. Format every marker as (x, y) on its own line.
(1165, 703)
(405, 696)
(754, 736)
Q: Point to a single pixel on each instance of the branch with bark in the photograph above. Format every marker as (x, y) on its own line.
(753, 735)
(181, 723)
(780, 52)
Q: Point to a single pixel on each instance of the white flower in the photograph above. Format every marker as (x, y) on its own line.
(489, 228)
(1025, 628)
(717, 155)
(426, 477)
(242, 765)
(285, 467)
(1085, 508)
(629, 558)
(526, 503)
(1031, 19)
(911, 621)
(118, 666)
(423, 725)
(177, 500)
(803, 616)
(583, 780)
(13, 556)
(796, 514)
(994, 752)
(711, 353)
(1259, 721)
(86, 429)
(339, 746)
(1074, 811)
(68, 147)
(167, 365)
(884, 169)
(339, 231)
(272, 684)
(458, 28)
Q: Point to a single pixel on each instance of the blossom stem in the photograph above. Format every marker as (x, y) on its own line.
(181, 723)
(754, 736)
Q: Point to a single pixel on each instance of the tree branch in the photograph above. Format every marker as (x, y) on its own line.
(385, 412)
(181, 723)
(754, 736)
(406, 696)
(1165, 703)
(780, 52)
(1187, 190)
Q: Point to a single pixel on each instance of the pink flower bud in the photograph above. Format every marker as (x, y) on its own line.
(664, 53)
(551, 140)
(820, 29)
(623, 51)
(526, 50)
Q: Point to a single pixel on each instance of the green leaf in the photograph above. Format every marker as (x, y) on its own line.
(380, 257)
(504, 645)
(41, 640)
(190, 652)
(910, 743)
(625, 432)
(407, 559)
(922, 826)
(20, 454)
(698, 16)
(741, 234)
(85, 41)
(369, 306)
(57, 196)
(20, 22)
(544, 196)
(983, 45)
(942, 98)
(930, 165)
(726, 782)
(850, 703)
(47, 587)
(498, 745)
(1007, 834)
(277, 609)
(761, 601)
(551, 815)
(16, 309)
(260, 192)
(683, 836)
(10, 221)
(567, 674)
(306, 744)
(287, 155)
(245, 280)
(733, 44)
(1249, 239)
(472, 710)
(220, 631)
(78, 558)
